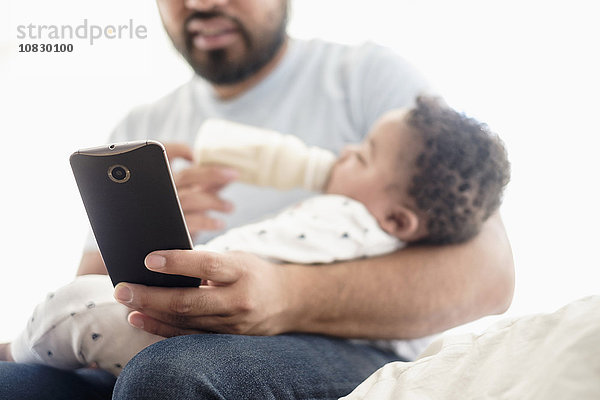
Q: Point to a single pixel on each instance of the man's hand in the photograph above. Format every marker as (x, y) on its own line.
(198, 189)
(241, 294)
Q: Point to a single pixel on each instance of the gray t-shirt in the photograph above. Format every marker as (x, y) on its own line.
(327, 94)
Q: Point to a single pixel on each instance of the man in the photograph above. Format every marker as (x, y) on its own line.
(328, 95)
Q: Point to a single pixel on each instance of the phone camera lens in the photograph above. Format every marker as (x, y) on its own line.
(119, 173)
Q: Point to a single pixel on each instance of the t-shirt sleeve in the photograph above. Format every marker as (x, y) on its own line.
(381, 80)
(132, 127)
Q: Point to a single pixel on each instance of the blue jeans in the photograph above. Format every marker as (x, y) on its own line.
(39, 382)
(213, 366)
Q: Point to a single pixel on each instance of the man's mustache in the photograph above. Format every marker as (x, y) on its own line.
(202, 15)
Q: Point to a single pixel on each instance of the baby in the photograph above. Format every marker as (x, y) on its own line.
(427, 175)
(424, 175)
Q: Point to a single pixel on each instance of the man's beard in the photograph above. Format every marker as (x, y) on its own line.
(218, 67)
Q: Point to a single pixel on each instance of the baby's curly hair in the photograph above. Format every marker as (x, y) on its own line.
(460, 175)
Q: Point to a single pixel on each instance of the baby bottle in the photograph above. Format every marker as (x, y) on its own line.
(263, 157)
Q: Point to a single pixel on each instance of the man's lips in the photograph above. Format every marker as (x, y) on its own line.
(213, 33)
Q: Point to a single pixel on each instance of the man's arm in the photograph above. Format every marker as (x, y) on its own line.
(411, 293)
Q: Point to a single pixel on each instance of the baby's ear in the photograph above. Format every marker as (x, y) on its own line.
(402, 223)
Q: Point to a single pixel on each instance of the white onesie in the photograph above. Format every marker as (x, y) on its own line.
(81, 323)
(321, 229)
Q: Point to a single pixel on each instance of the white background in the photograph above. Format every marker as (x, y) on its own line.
(527, 68)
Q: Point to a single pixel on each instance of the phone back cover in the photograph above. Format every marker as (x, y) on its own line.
(132, 219)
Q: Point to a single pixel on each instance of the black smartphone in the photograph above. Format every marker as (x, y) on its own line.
(133, 208)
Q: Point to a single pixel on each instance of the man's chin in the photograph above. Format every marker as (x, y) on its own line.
(224, 72)
(232, 64)
(223, 79)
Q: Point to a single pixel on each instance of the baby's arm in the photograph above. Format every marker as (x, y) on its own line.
(78, 325)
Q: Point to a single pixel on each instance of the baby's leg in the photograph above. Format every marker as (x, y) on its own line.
(78, 325)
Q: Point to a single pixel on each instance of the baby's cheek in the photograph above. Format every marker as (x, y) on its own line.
(337, 182)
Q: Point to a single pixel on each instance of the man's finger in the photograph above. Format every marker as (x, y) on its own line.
(175, 324)
(223, 268)
(197, 200)
(180, 302)
(178, 150)
(210, 178)
(156, 327)
(197, 222)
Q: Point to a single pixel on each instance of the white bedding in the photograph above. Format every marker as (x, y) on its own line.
(547, 356)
